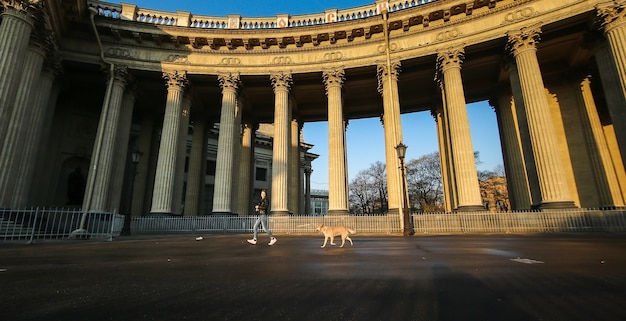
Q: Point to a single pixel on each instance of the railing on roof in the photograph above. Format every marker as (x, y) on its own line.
(186, 19)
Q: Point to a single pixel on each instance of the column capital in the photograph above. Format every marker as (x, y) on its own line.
(281, 80)
(20, 5)
(229, 81)
(176, 79)
(383, 70)
(611, 14)
(525, 39)
(450, 58)
(120, 74)
(333, 78)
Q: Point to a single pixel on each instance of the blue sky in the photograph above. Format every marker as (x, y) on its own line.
(365, 137)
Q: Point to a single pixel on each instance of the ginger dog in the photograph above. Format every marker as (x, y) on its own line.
(331, 231)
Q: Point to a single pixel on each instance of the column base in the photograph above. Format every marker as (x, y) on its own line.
(337, 212)
(471, 208)
(279, 213)
(557, 205)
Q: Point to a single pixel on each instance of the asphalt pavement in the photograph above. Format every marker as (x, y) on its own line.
(222, 277)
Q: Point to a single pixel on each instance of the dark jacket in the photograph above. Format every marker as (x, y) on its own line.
(264, 205)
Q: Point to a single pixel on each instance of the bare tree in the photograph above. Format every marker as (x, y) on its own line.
(368, 190)
(425, 183)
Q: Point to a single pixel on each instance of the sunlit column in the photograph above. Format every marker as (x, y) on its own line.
(610, 190)
(337, 172)
(552, 181)
(613, 92)
(462, 150)
(165, 178)
(196, 173)
(17, 24)
(445, 168)
(99, 180)
(12, 148)
(295, 189)
(388, 88)
(223, 192)
(281, 82)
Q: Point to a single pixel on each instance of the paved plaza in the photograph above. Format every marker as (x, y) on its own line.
(221, 277)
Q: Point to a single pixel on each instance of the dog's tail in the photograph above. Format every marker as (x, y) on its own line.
(352, 231)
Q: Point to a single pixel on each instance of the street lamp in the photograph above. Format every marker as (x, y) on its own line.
(408, 229)
(136, 157)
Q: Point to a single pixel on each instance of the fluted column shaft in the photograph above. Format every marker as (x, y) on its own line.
(141, 192)
(609, 189)
(99, 187)
(388, 88)
(24, 193)
(466, 176)
(15, 30)
(121, 158)
(281, 82)
(223, 192)
(196, 174)
(307, 187)
(165, 178)
(295, 189)
(12, 148)
(613, 16)
(552, 181)
(246, 168)
(183, 131)
(448, 201)
(513, 155)
(337, 171)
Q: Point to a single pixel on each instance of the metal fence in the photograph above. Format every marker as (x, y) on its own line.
(546, 221)
(35, 224)
(48, 224)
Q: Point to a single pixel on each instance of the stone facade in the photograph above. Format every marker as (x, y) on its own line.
(82, 81)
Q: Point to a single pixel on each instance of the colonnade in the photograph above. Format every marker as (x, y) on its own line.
(535, 168)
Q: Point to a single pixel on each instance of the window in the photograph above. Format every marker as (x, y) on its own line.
(261, 174)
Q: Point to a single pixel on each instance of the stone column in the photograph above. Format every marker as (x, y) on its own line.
(388, 88)
(444, 159)
(179, 183)
(552, 180)
(196, 174)
(224, 185)
(307, 186)
(462, 151)
(246, 168)
(613, 92)
(12, 148)
(43, 102)
(141, 192)
(609, 187)
(295, 189)
(512, 152)
(17, 24)
(613, 15)
(121, 159)
(99, 180)
(281, 82)
(337, 171)
(164, 182)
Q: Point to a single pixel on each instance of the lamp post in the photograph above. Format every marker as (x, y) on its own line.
(408, 229)
(136, 157)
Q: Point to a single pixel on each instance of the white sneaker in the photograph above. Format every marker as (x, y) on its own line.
(252, 241)
(272, 241)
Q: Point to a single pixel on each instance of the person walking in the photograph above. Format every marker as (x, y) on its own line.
(262, 209)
